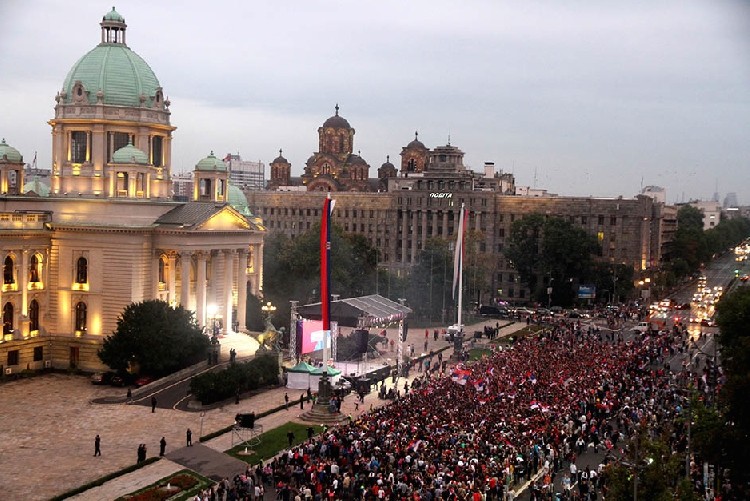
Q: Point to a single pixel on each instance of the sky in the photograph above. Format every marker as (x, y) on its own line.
(581, 98)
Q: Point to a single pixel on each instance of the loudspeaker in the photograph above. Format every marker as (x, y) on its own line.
(406, 330)
(361, 340)
(245, 420)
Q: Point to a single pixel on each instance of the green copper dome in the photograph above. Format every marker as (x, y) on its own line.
(37, 187)
(9, 154)
(112, 71)
(238, 200)
(113, 15)
(129, 154)
(211, 163)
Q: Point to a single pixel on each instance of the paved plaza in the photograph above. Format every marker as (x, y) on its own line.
(49, 424)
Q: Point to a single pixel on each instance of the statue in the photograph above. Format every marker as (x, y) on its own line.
(269, 338)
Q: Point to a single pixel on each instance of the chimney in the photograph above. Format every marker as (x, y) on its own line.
(489, 170)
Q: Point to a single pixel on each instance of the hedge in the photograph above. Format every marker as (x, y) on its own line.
(213, 387)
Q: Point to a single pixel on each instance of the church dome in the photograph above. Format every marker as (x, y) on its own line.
(111, 69)
(388, 164)
(280, 159)
(337, 122)
(129, 154)
(9, 154)
(356, 160)
(211, 163)
(416, 144)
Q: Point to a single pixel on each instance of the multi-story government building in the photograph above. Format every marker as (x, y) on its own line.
(402, 208)
(107, 233)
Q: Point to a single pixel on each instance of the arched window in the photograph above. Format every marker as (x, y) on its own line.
(80, 317)
(35, 266)
(82, 270)
(162, 270)
(8, 318)
(8, 275)
(34, 315)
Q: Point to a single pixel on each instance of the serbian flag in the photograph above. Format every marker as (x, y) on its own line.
(458, 258)
(325, 270)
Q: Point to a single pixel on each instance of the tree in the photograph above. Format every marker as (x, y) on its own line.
(154, 338)
(524, 249)
(292, 268)
(733, 317)
(554, 248)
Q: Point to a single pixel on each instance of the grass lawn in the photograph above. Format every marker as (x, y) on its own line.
(272, 442)
(478, 353)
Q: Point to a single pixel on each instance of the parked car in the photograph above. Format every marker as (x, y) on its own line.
(493, 312)
(143, 381)
(102, 377)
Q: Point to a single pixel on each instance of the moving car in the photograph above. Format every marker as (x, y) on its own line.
(642, 327)
(493, 312)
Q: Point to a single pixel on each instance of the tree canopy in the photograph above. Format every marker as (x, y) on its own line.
(292, 268)
(553, 248)
(155, 339)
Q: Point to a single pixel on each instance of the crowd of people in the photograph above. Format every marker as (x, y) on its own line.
(522, 415)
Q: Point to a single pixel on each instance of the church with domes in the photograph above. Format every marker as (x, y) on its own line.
(106, 232)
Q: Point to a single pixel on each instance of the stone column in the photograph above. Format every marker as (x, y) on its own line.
(200, 289)
(227, 298)
(242, 290)
(155, 274)
(414, 237)
(171, 279)
(404, 235)
(424, 228)
(445, 225)
(185, 279)
(23, 279)
(258, 267)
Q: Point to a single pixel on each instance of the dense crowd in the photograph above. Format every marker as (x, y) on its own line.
(520, 415)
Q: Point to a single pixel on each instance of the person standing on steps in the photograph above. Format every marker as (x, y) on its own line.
(162, 446)
(302, 402)
(153, 404)
(189, 437)
(97, 446)
(286, 401)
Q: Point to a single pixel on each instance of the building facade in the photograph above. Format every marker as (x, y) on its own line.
(422, 198)
(108, 232)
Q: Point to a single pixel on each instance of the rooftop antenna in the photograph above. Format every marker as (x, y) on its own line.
(535, 177)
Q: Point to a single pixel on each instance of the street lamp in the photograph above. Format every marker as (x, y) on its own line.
(268, 309)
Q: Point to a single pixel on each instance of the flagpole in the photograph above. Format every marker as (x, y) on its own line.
(460, 266)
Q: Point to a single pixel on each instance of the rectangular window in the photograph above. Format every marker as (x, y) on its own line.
(584, 220)
(601, 220)
(78, 146)
(501, 232)
(13, 357)
(613, 220)
(512, 217)
(157, 151)
(38, 353)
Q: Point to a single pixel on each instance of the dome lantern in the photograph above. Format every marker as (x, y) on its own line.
(113, 28)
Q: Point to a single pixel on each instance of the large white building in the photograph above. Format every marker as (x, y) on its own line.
(107, 233)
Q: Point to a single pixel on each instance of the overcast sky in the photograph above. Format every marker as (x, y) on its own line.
(576, 97)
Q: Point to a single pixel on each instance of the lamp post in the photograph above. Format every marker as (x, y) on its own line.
(268, 309)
